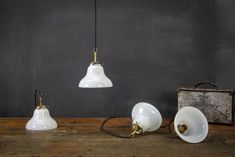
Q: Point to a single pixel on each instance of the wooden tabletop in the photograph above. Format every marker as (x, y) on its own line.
(81, 137)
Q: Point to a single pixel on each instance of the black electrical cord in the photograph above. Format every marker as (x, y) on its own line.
(123, 136)
(95, 24)
(109, 132)
(168, 125)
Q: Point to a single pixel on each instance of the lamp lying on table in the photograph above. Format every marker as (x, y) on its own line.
(191, 125)
(41, 119)
(146, 118)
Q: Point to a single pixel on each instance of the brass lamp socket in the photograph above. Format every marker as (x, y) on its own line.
(182, 128)
(136, 130)
(40, 106)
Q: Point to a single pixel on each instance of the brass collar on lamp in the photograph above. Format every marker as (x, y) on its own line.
(146, 118)
(182, 128)
(40, 106)
(136, 130)
(95, 57)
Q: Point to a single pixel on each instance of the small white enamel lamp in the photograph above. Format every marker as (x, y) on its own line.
(41, 119)
(146, 118)
(191, 125)
(95, 76)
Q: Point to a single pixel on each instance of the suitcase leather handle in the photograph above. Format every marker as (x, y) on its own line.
(206, 82)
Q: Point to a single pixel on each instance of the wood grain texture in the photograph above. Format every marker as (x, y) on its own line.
(80, 137)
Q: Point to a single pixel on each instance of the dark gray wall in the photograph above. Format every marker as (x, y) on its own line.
(150, 48)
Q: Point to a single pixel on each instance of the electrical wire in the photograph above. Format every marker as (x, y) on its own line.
(95, 24)
(109, 132)
(168, 125)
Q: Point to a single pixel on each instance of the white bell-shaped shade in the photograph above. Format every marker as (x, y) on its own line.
(41, 120)
(146, 116)
(95, 78)
(196, 122)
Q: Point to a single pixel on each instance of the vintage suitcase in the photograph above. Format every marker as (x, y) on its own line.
(216, 104)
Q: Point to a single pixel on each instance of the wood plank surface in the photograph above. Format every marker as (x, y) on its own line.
(81, 137)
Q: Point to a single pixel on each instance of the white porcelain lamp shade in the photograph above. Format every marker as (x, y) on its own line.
(95, 78)
(146, 116)
(196, 122)
(41, 120)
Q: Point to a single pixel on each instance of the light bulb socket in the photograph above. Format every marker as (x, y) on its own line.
(95, 50)
(136, 130)
(182, 128)
(41, 106)
(97, 62)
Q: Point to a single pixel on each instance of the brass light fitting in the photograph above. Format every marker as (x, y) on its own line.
(40, 106)
(136, 130)
(95, 56)
(182, 128)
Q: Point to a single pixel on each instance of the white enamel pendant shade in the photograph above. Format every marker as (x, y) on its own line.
(95, 78)
(196, 122)
(41, 120)
(146, 116)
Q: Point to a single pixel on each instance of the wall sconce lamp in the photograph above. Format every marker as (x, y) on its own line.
(41, 119)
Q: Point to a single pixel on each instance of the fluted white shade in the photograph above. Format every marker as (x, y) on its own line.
(95, 78)
(41, 120)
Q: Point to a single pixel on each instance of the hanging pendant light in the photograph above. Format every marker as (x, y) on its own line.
(95, 76)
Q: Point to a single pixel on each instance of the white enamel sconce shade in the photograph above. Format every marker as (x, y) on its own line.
(145, 118)
(95, 77)
(191, 125)
(41, 119)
